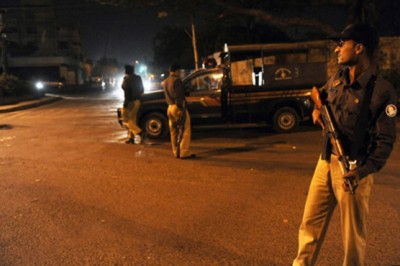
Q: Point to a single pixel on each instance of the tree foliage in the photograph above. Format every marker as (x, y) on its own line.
(249, 21)
(172, 44)
(272, 12)
(106, 67)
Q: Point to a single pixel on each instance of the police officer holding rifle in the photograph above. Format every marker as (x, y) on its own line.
(357, 109)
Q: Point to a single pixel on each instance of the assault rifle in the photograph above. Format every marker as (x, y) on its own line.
(180, 127)
(323, 112)
(120, 118)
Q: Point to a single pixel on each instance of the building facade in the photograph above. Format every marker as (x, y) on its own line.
(39, 46)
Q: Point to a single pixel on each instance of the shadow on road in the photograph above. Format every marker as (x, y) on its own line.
(245, 132)
(5, 126)
(240, 149)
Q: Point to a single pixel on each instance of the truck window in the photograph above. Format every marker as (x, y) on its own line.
(294, 58)
(211, 81)
(268, 60)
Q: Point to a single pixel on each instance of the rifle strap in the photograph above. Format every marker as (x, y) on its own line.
(362, 122)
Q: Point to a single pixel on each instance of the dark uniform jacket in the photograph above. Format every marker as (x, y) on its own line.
(173, 90)
(133, 88)
(378, 135)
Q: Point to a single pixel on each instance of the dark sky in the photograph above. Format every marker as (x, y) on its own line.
(125, 34)
(122, 33)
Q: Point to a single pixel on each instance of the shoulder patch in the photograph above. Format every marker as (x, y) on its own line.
(391, 110)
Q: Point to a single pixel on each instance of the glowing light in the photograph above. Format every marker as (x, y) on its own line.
(142, 69)
(118, 94)
(147, 84)
(39, 85)
(120, 79)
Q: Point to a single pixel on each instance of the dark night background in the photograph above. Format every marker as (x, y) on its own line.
(127, 34)
(115, 32)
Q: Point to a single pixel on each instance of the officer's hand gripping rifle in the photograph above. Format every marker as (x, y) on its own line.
(323, 112)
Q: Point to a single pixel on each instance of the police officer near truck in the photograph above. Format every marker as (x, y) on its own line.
(354, 91)
(133, 90)
(178, 115)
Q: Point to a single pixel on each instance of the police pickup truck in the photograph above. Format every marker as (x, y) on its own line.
(254, 84)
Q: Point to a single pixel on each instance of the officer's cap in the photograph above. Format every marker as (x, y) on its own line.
(129, 69)
(360, 33)
(174, 67)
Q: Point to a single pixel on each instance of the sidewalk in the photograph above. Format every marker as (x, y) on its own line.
(13, 104)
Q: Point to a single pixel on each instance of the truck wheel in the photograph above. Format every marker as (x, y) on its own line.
(155, 125)
(286, 119)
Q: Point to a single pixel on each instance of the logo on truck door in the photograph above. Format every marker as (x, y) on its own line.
(205, 101)
(284, 73)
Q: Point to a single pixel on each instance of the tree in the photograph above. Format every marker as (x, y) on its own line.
(106, 67)
(262, 10)
(258, 21)
(172, 45)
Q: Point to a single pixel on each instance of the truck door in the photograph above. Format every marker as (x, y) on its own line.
(203, 95)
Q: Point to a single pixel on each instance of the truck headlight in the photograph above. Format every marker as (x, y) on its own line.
(39, 85)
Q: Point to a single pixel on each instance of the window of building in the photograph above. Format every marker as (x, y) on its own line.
(31, 15)
(63, 45)
(31, 30)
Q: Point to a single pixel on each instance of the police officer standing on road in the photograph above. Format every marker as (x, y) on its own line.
(367, 144)
(178, 115)
(133, 89)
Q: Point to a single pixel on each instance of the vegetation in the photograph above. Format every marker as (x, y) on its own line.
(259, 21)
(281, 14)
(107, 67)
(251, 21)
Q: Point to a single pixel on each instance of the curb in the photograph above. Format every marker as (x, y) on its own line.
(28, 104)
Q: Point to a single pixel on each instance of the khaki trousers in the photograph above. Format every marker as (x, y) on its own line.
(325, 192)
(173, 116)
(129, 115)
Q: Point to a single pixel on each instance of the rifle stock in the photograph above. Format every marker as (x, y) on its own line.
(323, 117)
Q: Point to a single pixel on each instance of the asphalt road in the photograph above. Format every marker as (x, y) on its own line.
(73, 193)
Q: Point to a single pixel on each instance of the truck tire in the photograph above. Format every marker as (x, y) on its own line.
(286, 119)
(155, 125)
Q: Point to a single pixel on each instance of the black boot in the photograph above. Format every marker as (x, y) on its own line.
(130, 141)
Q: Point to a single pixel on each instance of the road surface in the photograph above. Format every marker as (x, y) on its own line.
(73, 193)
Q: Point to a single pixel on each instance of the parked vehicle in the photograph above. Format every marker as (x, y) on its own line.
(253, 84)
(49, 86)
